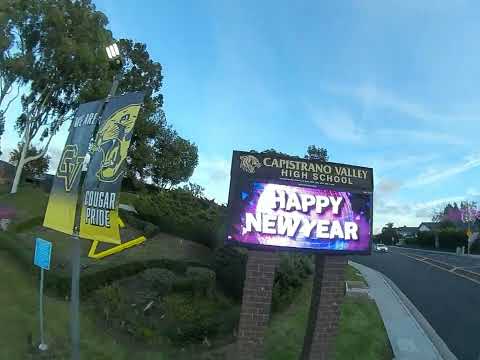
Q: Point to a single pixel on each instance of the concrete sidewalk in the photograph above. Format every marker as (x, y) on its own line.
(410, 334)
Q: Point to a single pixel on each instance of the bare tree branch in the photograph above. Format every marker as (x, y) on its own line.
(42, 153)
(12, 100)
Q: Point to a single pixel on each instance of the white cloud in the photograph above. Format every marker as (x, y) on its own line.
(386, 186)
(434, 175)
(397, 135)
(339, 126)
(473, 192)
(372, 96)
(213, 173)
(409, 214)
(385, 163)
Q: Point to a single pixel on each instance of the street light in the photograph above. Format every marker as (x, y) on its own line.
(115, 58)
(112, 51)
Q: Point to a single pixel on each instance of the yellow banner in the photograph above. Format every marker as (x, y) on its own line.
(62, 204)
(99, 217)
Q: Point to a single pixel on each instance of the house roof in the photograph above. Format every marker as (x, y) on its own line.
(430, 225)
(407, 228)
(7, 166)
(458, 225)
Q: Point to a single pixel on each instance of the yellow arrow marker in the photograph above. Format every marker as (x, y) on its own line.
(115, 249)
(469, 232)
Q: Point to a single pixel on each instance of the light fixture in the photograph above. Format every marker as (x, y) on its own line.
(112, 51)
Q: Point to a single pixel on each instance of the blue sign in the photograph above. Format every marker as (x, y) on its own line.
(43, 253)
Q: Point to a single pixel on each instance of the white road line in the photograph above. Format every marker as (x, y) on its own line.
(439, 267)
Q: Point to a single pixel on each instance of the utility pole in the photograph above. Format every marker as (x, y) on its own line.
(113, 56)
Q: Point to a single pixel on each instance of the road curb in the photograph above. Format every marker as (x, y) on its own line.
(425, 326)
(436, 340)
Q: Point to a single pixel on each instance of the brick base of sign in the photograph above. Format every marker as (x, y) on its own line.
(256, 303)
(327, 295)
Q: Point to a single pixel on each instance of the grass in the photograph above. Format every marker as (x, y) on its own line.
(19, 319)
(31, 202)
(128, 198)
(362, 335)
(353, 275)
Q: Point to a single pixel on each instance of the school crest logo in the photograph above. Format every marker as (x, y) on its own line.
(112, 142)
(249, 163)
(70, 166)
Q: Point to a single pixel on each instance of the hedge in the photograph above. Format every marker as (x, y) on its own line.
(59, 284)
(475, 247)
(179, 213)
(450, 239)
(426, 239)
(293, 270)
(26, 225)
(147, 228)
(229, 265)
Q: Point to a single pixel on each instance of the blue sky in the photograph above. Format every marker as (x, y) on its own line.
(391, 85)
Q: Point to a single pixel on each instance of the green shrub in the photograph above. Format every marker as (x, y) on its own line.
(191, 320)
(426, 239)
(179, 213)
(59, 283)
(109, 300)
(411, 240)
(148, 229)
(475, 247)
(161, 280)
(203, 281)
(27, 225)
(451, 238)
(229, 265)
(290, 275)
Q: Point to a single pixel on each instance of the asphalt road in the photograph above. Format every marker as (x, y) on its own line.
(450, 303)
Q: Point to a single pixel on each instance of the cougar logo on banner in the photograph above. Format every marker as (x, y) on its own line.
(113, 140)
(249, 163)
(70, 166)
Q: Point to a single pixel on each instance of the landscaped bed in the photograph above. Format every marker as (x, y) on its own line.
(168, 299)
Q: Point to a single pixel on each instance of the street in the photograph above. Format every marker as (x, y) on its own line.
(449, 301)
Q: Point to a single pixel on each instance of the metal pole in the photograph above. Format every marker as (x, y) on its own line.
(75, 297)
(113, 89)
(76, 249)
(43, 346)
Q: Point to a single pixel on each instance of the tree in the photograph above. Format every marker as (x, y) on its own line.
(141, 73)
(34, 168)
(16, 53)
(389, 234)
(175, 159)
(450, 212)
(469, 212)
(67, 60)
(313, 153)
(156, 152)
(316, 153)
(195, 189)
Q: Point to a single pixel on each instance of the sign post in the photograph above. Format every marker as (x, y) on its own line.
(43, 254)
(279, 202)
(87, 206)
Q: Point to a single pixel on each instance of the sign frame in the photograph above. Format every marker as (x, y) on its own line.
(239, 177)
(43, 253)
